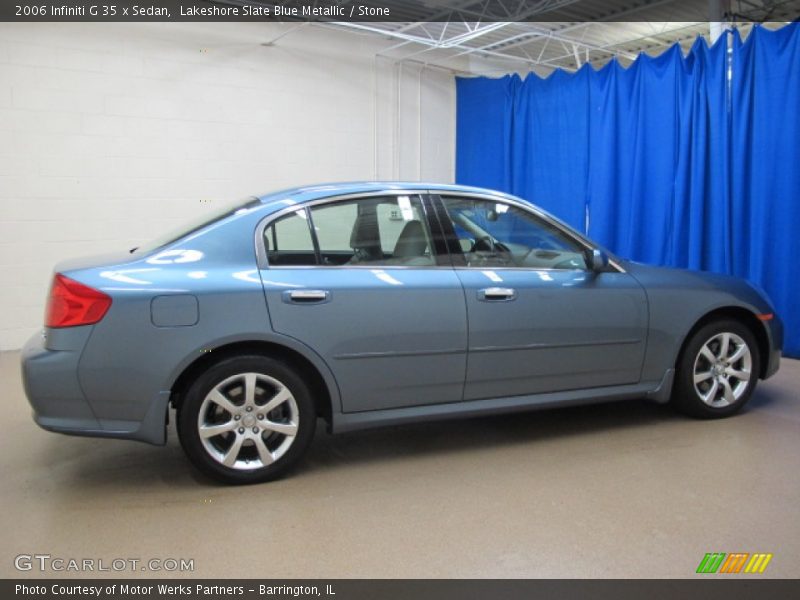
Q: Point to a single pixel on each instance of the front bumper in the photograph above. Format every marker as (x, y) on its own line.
(50, 379)
(773, 363)
(774, 329)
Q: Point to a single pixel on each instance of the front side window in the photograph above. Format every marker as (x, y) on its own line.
(382, 231)
(494, 234)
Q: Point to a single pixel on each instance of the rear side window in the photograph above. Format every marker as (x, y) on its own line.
(334, 224)
(288, 240)
(379, 231)
(382, 231)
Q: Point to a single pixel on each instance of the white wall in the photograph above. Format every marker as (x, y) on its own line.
(110, 133)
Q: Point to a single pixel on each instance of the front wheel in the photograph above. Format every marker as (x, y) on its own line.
(717, 371)
(247, 419)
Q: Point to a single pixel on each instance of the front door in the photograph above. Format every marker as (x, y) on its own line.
(539, 320)
(362, 284)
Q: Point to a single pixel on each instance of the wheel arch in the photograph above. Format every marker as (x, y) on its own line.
(314, 372)
(738, 313)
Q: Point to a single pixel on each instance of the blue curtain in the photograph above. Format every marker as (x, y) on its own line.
(634, 136)
(548, 116)
(490, 103)
(765, 109)
(669, 161)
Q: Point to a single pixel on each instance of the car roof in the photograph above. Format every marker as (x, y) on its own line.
(301, 195)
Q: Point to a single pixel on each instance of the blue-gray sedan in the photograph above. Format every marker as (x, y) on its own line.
(369, 304)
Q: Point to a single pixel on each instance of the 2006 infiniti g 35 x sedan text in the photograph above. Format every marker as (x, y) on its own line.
(377, 303)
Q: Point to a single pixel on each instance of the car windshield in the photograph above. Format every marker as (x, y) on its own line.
(196, 224)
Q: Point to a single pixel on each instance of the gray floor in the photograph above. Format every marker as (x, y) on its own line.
(619, 490)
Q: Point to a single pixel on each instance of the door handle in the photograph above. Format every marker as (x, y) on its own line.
(306, 296)
(497, 294)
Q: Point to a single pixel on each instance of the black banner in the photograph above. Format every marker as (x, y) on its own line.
(475, 11)
(404, 589)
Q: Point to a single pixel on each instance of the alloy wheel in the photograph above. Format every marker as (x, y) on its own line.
(722, 370)
(248, 421)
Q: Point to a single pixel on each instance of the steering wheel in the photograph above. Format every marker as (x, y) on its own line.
(486, 244)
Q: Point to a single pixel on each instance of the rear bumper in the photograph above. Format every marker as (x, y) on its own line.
(50, 379)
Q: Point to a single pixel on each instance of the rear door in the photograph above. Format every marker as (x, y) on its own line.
(539, 320)
(363, 283)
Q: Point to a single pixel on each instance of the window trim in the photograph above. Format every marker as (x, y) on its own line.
(314, 238)
(442, 260)
(437, 197)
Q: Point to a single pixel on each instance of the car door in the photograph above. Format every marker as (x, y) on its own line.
(364, 283)
(539, 320)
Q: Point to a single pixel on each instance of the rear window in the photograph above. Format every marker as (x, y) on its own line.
(196, 224)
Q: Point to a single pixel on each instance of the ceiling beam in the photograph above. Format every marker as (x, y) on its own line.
(546, 33)
(610, 48)
(473, 33)
(468, 12)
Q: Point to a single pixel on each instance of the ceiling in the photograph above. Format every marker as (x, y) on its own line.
(544, 35)
(498, 36)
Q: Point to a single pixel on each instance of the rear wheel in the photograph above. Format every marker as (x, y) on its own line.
(717, 371)
(246, 419)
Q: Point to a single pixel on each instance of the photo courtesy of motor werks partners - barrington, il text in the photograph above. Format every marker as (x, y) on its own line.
(124, 589)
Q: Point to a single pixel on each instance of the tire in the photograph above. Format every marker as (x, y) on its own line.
(247, 437)
(714, 382)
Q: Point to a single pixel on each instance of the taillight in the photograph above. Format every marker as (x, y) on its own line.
(72, 303)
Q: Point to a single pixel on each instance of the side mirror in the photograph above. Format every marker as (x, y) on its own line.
(596, 260)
